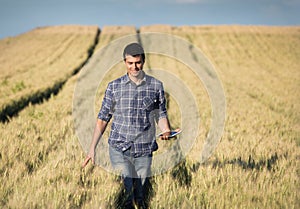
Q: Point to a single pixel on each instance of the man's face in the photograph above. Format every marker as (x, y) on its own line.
(134, 65)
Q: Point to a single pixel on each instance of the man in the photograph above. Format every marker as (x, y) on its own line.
(136, 102)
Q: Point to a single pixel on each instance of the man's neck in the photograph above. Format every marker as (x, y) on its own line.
(137, 80)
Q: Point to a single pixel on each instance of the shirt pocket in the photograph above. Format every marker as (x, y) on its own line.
(149, 103)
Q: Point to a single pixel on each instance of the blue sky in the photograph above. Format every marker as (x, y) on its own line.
(19, 16)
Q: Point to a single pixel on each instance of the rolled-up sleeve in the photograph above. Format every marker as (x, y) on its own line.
(106, 110)
(162, 113)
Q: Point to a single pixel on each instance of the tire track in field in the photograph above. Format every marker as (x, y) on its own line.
(188, 54)
(13, 108)
(35, 160)
(40, 158)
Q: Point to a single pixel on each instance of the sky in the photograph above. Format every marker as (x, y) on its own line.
(19, 16)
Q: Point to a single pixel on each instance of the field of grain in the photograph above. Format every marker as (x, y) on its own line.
(255, 165)
(38, 63)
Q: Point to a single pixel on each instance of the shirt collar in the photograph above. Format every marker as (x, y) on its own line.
(127, 80)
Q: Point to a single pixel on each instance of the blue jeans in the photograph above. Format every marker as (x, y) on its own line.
(135, 173)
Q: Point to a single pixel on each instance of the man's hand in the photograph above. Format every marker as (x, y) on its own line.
(165, 135)
(89, 157)
(99, 129)
(169, 134)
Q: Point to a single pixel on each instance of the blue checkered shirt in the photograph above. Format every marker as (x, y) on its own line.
(135, 110)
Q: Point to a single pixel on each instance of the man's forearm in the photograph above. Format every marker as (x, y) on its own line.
(164, 125)
(98, 131)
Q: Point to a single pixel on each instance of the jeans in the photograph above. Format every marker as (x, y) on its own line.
(135, 174)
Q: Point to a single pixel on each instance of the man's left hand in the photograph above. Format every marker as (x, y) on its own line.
(165, 135)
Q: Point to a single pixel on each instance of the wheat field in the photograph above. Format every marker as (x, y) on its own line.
(38, 63)
(255, 165)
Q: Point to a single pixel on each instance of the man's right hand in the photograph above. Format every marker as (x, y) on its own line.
(99, 129)
(87, 159)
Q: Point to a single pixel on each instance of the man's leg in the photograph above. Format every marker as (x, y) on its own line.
(122, 164)
(141, 183)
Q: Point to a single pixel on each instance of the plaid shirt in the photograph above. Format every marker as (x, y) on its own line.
(135, 109)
